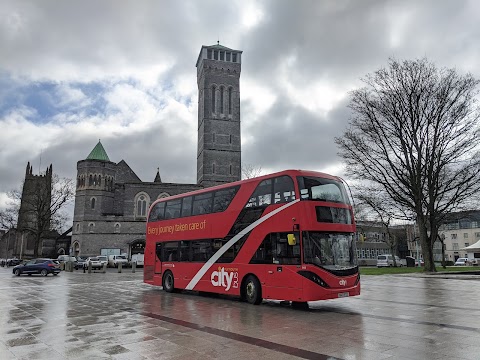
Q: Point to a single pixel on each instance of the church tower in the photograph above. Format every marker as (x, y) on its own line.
(219, 142)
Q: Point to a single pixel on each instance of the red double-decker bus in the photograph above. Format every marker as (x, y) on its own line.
(286, 236)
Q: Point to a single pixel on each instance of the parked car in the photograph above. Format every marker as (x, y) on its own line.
(38, 266)
(13, 262)
(114, 260)
(103, 259)
(461, 262)
(422, 263)
(96, 263)
(65, 258)
(387, 261)
(80, 262)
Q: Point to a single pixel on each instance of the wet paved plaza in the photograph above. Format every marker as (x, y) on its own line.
(116, 316)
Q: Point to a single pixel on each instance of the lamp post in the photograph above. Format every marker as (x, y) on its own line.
(418, 255)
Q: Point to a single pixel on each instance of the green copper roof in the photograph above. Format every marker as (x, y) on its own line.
(98, 153)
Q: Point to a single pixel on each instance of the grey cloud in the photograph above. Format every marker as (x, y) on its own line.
(335, 41)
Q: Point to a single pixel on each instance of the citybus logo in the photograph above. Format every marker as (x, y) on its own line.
(342, 282)
(224, 278)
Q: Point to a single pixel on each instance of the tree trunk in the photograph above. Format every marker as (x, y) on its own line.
(425, 243)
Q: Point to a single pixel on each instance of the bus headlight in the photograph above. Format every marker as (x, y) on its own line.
(314, 277)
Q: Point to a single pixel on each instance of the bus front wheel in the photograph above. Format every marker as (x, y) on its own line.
(253, 290)
(168, 282)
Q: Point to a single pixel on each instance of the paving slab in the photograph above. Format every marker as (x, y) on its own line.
(116, 316)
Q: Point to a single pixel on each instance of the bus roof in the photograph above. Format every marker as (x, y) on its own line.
(291, 172)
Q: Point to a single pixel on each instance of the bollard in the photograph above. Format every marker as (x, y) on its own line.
(83, 268)
(104, 268)
(134, 265)
(119, 267)
(89, 267)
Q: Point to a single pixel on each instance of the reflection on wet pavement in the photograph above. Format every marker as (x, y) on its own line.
(116, 316)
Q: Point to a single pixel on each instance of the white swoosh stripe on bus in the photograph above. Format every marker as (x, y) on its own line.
(232, 241)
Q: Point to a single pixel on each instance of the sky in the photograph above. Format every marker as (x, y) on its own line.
(73, 72)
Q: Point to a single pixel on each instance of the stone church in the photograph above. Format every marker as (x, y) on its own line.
(112, 202)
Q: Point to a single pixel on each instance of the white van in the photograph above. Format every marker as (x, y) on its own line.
(137, 259)
(387, 261)
(114, 260)
(65, 258)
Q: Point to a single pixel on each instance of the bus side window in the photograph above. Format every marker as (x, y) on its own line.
(262, 195)
(170, 251)
(264, 253)
(158, 250)
(187, 206)
(157, 212)
(223, 198)
(284, 190)
(172, 210)
(284, 253)
(185, 251)
(202, 204)
(201, 250)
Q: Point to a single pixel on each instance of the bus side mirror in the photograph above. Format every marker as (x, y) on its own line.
(291, 239)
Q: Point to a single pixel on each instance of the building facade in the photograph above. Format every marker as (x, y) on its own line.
(111, 202)
(219, 141)
(460, 230)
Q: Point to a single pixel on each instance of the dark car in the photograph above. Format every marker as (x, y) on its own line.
(38, 266)
(13, 262)
(79, 264)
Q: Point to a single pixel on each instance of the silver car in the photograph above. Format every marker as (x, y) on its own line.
(95, 261)
(387, 261)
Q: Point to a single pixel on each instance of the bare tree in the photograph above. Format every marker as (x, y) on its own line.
(414, 133)
(378, 207)
(43, 208)
(8, 216)
(250, 171)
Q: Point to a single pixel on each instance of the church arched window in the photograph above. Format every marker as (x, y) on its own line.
(91, 227)
(221, 100)
(95, 183)
(213, 98)
(141, 205)
(230, 101)
(93, 203)
(117, 228)
(213, 168)
(90, 180)
(163, 195)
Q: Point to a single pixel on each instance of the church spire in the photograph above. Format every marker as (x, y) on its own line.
(158, 179)
(98, 153)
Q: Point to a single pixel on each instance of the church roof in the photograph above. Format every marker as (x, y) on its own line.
(220, 47)
(98, 153)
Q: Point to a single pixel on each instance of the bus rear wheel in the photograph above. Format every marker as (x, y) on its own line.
(168, 282)
(252, 290)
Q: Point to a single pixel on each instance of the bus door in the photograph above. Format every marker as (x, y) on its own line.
(282, 273)
(158, 256)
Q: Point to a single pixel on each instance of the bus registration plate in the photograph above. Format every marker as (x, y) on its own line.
(343, 294)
